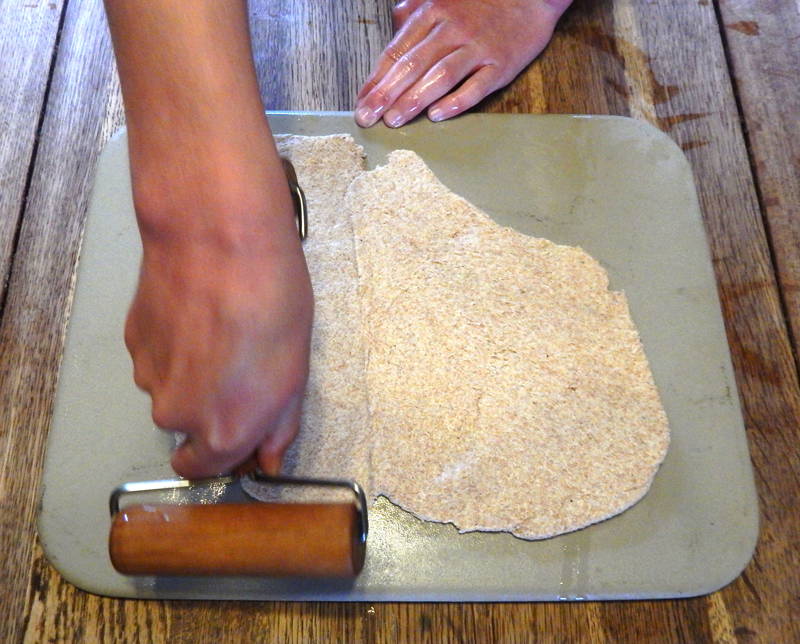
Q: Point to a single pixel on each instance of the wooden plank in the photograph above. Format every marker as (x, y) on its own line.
(763, 42)
(659, 61)
(39, 292)
(314, 55)
(83, 110)
(665, 63)
(29, 31)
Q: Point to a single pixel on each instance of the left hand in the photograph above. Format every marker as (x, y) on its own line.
(440, 43)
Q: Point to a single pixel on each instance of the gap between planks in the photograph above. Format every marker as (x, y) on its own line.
(751, 159)
(4, 284)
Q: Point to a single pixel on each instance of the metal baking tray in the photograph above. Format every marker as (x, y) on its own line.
(617, 187)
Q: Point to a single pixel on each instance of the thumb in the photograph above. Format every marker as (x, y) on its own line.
(271, 451)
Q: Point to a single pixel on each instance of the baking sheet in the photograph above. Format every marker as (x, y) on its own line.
(615, 186)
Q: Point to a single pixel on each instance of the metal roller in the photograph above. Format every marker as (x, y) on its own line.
(255, 538)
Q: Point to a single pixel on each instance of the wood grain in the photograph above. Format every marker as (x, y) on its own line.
(634, 67)
(656, 60)
(315, 55)
(39, 292)
(763, 41)
(28, 32)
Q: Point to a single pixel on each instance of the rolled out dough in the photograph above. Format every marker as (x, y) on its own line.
(469, 373)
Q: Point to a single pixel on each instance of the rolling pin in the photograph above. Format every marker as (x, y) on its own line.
(256, 538)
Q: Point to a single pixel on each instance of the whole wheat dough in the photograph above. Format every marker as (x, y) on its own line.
(334, 440)
(507, 385)
(468, 372)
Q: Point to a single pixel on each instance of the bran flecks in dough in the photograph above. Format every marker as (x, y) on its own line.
(508, 388)
(468, 372)
(334, 435)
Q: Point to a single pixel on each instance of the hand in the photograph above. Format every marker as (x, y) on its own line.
(219, 328)
(220, 325)
(440, 43)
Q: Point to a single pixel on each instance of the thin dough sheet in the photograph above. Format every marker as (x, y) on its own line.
(469, 373)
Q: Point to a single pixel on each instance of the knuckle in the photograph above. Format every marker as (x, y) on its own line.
(167, 411)
(369, 85)
(163, 414)
(139, 379)
(458, 33)
(409, 63)
(499, 78)
(472, 97)
(395, 52)
(464, 33)
(411, 105)
(446, 76)
(130, 334)
(150, 201)
(432, 7)
(220, 443)
(129, 339)
(380, 96)
(499, 82)
(487, 56)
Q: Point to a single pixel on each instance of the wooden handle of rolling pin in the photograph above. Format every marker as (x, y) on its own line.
(269, 539)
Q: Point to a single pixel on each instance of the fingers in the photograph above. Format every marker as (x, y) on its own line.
(409, 36)
(143, 374)
(210, 451)
(502, 38)
(270, 452)
(196, 458)
(482, 83)
(403, 74)
(439, 80)
(412, 32)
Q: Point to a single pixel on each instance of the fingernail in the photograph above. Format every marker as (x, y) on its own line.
(436, 114)
(393, 118)
(366, 117)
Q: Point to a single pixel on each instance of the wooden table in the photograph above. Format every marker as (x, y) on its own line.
(720, 76)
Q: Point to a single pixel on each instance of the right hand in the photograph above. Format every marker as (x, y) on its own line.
(219, 328)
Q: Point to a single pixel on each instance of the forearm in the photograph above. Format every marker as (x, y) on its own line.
(220, 324)
(194, 113)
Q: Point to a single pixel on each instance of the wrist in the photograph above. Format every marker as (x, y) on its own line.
(174, 124)
(218, 195)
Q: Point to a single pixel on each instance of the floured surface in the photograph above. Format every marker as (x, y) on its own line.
(470, 373)
(334, 439)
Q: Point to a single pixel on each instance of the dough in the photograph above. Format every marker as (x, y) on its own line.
(469, 373)
(508, 388)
